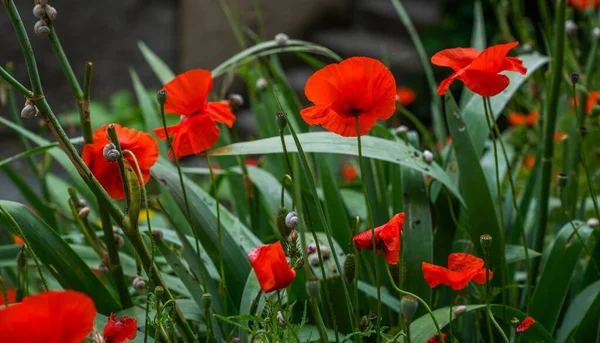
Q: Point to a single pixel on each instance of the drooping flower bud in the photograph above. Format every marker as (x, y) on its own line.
(39, 11)
(283, 229)
(261, 84)
(281, 121)
(408, 307)
(41, 28)
(22, 258)
(281, 38)
(364, 322)
(428, 156)
(51, 12)
(29, 111)
(161, 96)
(486, 243)
(110, 152)
(291, 220)
(313, 287)
(138, 283)
(119, 241)
(350, 268)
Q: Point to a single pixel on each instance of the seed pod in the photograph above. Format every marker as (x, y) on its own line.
(138, 283)
(261, 84)
(161, 96)
(291, 220)
(83, 213)
(22, 258)
(313, 287)
(39, 11)
(574, 77)
(562, 180)
(283, 229)
(29, 111)
(51, 12)
(111, 154)
(408, 307)
(428, 156)
(206, 300)
(281, 121)
(281, 38)
(119, 241)
(280, 319)
(158, 292)
(350, 268)
(41, 28)
(486, 243)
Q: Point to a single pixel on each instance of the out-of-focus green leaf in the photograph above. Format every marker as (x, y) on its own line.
(387, 299)
(310, 333)
(160, 68)
(584, 308)
(28, 153)
(331, 270)
(555, 280)
(516, 253)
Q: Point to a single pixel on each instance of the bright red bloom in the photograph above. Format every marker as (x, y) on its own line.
(529, 161)
(529, 119)
(462, 268)
(479, 71)
(18, 240)
(49, 317)
(405, 96)
(356, 87)
(584, 4)
(387, 238)
(271, 267)
(527, 322)
(187, 96)
(592, 100)
(12, 296)
(143, 146)
(349, 172)
(436, 338)
(119, 331)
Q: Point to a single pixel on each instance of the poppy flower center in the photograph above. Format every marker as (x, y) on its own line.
(354, 112)
(457, 269)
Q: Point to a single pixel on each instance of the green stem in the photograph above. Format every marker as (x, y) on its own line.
(289, 180)
(372, 226)
(4, 291)
(450, 319)
(421, 301)
(487, 299)
(285, 318)
(16, 84)
(285, 153)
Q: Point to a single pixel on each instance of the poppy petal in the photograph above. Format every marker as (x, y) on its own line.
(480, 277)
(492, 59)
(456, 58)
(516, 119)
(527, 322)
(434, 275)
(484, 83)
(332, 121)
(220, 112)
(119, 331)
(513, 64)
(466, 262)
(271, 267)
(194, 135)
(444, 85)
(187, 92)
(12, 296)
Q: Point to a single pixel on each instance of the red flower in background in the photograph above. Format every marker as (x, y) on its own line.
(356, 87)
(558, 136)
(49, 317)
(525, 324)
(529, 161)
(479, 71)
(12, 297)
(119, 331)
(349, 172)
(18, 240)
(592, 100)
(187, 96)
(271, 267)
(462, 268)
(529, 119)
(405, 96)
(436, 338)
(143, 146)
(387, 238)
(584, 4)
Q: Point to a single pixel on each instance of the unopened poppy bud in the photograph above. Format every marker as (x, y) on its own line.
(299, 264)
(595, 111)
(291, 220)
(138, 283)
(158, 292)
(235, 101)
(280, 319)
(110, 152)
(364, 322)
(402, 130)
(206, 300)
(592, 222)
(103, 268)
(596, 32)
(158, 234)
(514, 322)
(313, 287)
(395, 271)
(408, 307)
(283, 229)
(119, 241)
(281, 121)
(22, 258)
(428, 156)
(29, 111)
(570, 27)
(83, 213)
(39, 11)
(458, 310)
(161, 96)
(574, 77)
(562, 180)
(486, 243)
(281, 38)
(41, 28)
(261, 83)
(51, 12)
(350, 268)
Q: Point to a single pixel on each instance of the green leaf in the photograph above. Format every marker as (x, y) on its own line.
(585, 306)
(423, 328)
(387, 299)
(62, 262)
(482, 217)
(327, 142)
(516, 253)
(160, 68)
(555, 280)
(28, 153)
(134, 202)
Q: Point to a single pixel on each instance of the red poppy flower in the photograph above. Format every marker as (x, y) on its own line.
(436, 338)
(559, 136)
(356, 87)
(143, 146)
(592, 100)
(479, 71)
(271, 267)
(387, 238)
(462, 268)
(349, 172)
(49, 317)
(12, 296)
(584, 4)
(187, 96)
(529, 161)
(18, 240)
(405, 96)
(525, 324)
(250, 162)
(529, 119)
(119, 331)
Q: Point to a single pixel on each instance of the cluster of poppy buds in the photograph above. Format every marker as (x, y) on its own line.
(45, 13)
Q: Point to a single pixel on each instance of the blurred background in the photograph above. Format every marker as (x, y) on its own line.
(189, 34)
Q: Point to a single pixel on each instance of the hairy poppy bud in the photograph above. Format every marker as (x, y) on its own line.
(41, 28)
(313, 287)
(293, 237)
(235, 101)
(291, 220)
(138, 283)
(83, 213)
(206, 300)
(350, 268)
(161, 96)
(39, 11)
(592, 222)
(408, 307)
(395, 271)
(514, 322)
(570, 27)
(158, 234)
(486, 243)
(158, 292)
(428, 156)
(110, 152)
(595, 111)
(104, 269)
(574, 77)
(364, 322)
(119, 241)
(261, 83)
(562, 180)
(29, 111)
(281, 38)
(280, 119)
(22, 258)
(458, 310)
(596, 32)
(283, 229)
(280, 319)
(51, 12)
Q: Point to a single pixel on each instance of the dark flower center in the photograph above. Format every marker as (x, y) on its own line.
(354, 112)
(457, 269)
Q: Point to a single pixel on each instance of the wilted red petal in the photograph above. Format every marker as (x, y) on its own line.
(119, 331)
(49, 317)
(525, 324)
(187, 92)
(271, 267)
(387, 238)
